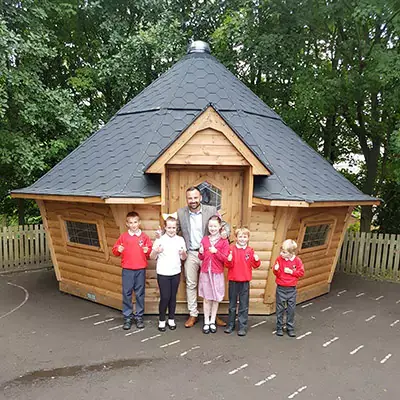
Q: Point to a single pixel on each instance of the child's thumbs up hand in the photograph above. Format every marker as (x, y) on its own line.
(230, 256)
(158, 232)
(276, 267)
(121, 248)
(256, 258)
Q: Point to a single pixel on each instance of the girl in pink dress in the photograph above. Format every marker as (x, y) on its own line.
(213, 252)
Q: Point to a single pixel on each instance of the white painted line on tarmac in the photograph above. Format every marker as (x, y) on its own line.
(89, 316)
(341, 292)
(169, 344)
(188, 351)
(380, 297)
(326, 309)
(210, 361)
(258, 324)
(297, 392)
(326, 344)
(151, 338)
(395, 322)
(238, 369)
(398, 301)
(273, 332)
(268, 378)
(347, 312)
(356, 350)
(370, 318)
(386, 358)
(103, 322)
(307, 305)
(304, 335)
(360, 294)
(19, 306)
(115, 327)
(132, 333)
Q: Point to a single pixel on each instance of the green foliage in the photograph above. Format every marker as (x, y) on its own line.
(331, 69)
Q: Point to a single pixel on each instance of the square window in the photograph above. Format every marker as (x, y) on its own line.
(82, 233)
(315, 235)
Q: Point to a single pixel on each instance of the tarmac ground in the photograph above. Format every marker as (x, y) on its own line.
(56, 346)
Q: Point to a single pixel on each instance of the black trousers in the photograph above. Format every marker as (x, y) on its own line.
(241, 290)
(168, 288)
(285, 294)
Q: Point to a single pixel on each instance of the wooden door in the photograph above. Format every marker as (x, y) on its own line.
(224, 186)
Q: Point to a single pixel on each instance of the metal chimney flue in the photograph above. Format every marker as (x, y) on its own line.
(198, 46)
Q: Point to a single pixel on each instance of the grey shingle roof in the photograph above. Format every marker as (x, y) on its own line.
(111, 163)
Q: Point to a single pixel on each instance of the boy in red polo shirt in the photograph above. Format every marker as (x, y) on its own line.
(135, 247)
(288, 268)
(241, 261)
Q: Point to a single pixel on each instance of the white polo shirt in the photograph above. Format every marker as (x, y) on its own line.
(169, 261)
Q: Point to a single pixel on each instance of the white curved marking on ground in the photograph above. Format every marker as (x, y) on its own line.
(238, 369)
(356, 350)
(326, 344)
(188, 351)
(370, 318)
(18, 307)
(297, 392)
(307, 305)
(169, 344)
(304, 335)
(258, 324)
(395, 322)
(380, 297)
(360, 294)
(272, 376)
(341, 292)
(326, 309)
(386, 358)
(210, 361)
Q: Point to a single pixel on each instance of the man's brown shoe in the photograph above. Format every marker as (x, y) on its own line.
(220, 322)
(191, 321)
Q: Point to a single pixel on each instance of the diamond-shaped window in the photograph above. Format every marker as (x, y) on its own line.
(211, 195)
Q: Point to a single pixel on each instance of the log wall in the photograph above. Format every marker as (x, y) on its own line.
(96, 275)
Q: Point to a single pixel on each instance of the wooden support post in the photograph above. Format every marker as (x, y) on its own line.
(49, 240)
(347, 221)
(283, 219)
(119, 213)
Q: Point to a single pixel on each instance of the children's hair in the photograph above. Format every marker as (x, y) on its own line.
(242, 231)
(290, 246)
(132, 214)
(169, 219)
(216, 218)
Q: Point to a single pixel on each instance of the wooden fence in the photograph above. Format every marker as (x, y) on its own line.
(23, 247)
(371, 254)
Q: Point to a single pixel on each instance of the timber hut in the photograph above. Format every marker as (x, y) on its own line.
(197, 124)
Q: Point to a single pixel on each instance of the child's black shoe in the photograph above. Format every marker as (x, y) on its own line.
(229, 329)
(279, 332)
(127, 324)
(291, 333)
(242, 332)
(139, 323)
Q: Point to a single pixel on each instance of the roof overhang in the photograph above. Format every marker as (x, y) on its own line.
(89, 199)
(294, 203)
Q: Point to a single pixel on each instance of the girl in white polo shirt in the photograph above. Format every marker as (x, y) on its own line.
(169, 250)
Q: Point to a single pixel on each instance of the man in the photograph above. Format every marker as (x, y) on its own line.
(192, 225)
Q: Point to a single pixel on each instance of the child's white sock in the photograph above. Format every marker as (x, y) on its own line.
(161, 324)
(214, 310)
(171, 322)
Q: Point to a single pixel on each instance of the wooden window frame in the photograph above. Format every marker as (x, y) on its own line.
(80, 248)
(314, 221)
